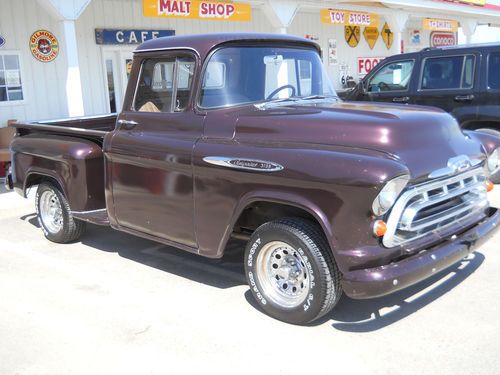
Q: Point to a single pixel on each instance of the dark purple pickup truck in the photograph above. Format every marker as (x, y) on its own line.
(242, 135)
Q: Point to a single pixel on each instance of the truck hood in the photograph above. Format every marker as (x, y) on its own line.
(422, 138)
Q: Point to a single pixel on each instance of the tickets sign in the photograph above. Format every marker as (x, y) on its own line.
(346, 18)
(366, 64)
(434, 24)
(196, 9)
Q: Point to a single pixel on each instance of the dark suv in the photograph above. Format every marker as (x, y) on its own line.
(462, 80)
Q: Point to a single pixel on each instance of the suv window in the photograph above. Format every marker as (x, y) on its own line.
(494, 71)
(164, 85)
(394, 76)
(449, 72)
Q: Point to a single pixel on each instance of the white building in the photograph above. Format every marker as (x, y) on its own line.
(89, 76)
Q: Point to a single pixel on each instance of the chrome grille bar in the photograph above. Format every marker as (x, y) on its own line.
(435, 206)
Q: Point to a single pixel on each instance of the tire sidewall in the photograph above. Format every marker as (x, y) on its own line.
(56, 237)
(309, 309)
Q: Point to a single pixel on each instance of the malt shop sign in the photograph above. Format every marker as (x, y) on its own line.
(348, 18)
(196, 9)
(128, 36)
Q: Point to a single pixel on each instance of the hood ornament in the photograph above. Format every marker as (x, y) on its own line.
(455, 165)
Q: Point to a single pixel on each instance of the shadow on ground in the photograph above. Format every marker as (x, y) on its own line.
(349, 314)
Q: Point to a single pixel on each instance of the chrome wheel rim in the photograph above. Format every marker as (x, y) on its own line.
(51, 212)
(283, 274)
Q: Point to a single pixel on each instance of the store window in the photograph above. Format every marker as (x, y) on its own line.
(165, 85)
(449, 72)
(11, 88)
(395, 76)
(494, 71)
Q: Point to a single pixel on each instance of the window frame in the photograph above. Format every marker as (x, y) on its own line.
(23, 81)
(382, 67)
(175, 57)
(464, 57)
(487, 83)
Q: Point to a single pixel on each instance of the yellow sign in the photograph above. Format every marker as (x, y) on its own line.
(371, 35)
(44, 46)
(352, 35)
(387, 36)
(434, 24)
(470, 2)
(196, 9)
(343, 17)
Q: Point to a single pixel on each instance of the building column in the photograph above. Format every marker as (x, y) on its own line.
(74, 95)
(281, 13)
(397, 22)
(469, 28)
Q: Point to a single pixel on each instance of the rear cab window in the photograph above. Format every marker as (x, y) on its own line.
(448, 72)
(494, 71)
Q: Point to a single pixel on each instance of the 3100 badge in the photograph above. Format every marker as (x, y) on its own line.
(44, 46)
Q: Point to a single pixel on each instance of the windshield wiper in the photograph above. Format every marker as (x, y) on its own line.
(267, 103)
(312, 97)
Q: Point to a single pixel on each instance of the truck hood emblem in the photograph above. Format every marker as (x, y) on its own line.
(244, 164)
(455, 165)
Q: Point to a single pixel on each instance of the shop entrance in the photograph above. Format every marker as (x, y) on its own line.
(117, 66)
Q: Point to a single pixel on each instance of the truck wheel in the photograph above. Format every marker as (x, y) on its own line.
(495, 178)
(291, 271)
(54, 215)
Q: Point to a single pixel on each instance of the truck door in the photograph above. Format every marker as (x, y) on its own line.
(392, 82)
(451, 83)
(149, 156)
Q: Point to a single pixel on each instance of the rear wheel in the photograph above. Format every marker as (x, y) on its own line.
(54, 215)
(291, 271)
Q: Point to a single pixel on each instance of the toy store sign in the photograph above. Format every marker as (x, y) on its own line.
(195, 9)
(441, 39)
(342, 17)
(128, 36)
(44, 46)
(366, 64)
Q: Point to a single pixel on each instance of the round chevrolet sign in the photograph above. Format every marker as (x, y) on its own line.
(44, 46)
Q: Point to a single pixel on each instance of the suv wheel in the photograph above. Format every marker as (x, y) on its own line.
(291, 271)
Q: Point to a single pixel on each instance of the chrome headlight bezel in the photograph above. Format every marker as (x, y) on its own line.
(389, 194)
(493, 161)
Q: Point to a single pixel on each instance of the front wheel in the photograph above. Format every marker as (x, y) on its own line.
(291, 271)
(54, 215)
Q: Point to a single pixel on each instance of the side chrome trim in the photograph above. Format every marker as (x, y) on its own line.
(101, 210)
(244, 164)
(167, 49)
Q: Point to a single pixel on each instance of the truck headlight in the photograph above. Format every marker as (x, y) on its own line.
(493, 161)
(388, 195)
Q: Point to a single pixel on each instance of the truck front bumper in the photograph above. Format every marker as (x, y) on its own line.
(383, 280)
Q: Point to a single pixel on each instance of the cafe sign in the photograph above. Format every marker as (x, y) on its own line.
(196, 9)
(434, 24)
(128, 36)
(348, 18)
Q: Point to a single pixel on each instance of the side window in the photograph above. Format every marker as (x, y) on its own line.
(11, 88)
(164, 85)
(494, 71)
(450, 72)
(392, 77)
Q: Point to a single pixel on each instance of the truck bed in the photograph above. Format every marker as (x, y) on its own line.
(90, 127)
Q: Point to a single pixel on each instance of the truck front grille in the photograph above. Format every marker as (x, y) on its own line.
(434, 206)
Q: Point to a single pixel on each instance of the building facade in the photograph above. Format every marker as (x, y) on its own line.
(62, 58)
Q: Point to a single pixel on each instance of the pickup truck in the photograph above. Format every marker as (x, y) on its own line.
(242, 135)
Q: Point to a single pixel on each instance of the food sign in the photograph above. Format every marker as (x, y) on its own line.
(346, 18)
(366, 64)
(196, 9)
(44, 46)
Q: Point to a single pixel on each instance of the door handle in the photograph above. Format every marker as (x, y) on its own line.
(401, 99)
(127, 124)
(464, 98)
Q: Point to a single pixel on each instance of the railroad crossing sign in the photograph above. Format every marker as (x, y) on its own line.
(352, 35)
(371, 35)
(387, 36)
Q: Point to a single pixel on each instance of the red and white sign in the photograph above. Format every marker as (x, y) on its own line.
(366, 64)
(442, 39)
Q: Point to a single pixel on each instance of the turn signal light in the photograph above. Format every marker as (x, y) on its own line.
(379, 228)
(489, 186)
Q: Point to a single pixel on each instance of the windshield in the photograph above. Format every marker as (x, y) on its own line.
(238, 75)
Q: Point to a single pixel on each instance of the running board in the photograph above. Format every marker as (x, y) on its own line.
(98, 217)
